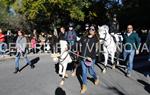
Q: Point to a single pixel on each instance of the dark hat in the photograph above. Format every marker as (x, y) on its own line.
(71, 24)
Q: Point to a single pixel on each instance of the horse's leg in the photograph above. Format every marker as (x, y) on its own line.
(112, 60)
(117, 58)
(119, 50)
(106, 61)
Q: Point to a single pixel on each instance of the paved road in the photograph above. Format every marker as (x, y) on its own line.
(43, 80)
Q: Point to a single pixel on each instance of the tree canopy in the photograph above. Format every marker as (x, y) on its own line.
(49, 13)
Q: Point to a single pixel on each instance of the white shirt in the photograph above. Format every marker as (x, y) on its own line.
(129, 33)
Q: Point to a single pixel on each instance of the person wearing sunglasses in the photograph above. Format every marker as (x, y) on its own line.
(131, 43)
(88, 51)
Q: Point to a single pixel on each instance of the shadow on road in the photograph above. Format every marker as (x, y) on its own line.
(79, 74)
(141, 63)
(97, 64)
(146, 85)
(122, 69)
(33, 62)
(144, 68)
(60, 91)
(117, 91)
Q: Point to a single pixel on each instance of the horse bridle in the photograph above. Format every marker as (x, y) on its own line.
(104, 39)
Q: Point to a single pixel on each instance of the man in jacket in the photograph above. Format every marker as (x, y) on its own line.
(131, 44)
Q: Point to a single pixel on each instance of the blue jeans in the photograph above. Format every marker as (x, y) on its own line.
(2, 48)
(27, 61)
(85, 69)
(130, 54)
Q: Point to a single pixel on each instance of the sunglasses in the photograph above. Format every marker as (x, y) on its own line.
(92, 29)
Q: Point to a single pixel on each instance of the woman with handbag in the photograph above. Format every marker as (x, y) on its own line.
(88, 50)
(21, 46)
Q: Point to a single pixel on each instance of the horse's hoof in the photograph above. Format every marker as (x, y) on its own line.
(117, 63)
(113, 67)
(62, 83)
(104, 71)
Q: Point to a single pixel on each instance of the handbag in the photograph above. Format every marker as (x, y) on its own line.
(88, 62)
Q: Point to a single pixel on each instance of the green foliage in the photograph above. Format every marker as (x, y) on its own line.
(52, 13)
(33, 8)
(8, 21)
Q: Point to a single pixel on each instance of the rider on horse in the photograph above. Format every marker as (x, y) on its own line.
(114, 25)
(114, 28)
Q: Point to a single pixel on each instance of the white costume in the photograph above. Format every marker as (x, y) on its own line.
(64, 58)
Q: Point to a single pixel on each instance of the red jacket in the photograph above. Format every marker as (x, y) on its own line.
(33, 43)
(2, 37)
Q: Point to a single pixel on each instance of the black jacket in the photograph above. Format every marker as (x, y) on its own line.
(114, 27)
(88, 47)
(61, 36)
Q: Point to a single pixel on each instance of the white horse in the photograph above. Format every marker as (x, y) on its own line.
(109, 46)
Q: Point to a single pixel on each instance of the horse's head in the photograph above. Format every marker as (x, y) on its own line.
(103, 32)
(103, 28)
